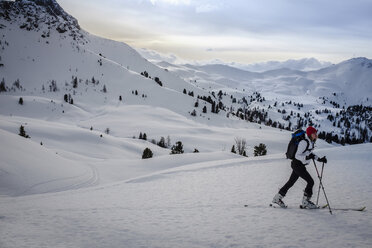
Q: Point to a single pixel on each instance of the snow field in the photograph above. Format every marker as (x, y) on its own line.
(86, 188)
(116, 156)
(110, 197)
(199, 206)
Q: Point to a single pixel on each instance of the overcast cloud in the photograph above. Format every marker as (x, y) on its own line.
(235, 30)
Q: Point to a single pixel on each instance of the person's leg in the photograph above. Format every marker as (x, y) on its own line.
(304, 174)
(291, 181)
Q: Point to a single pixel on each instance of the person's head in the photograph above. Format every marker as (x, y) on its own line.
(312, 133)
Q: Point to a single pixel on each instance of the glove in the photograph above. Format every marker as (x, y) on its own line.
(323, 159)
(310, 156)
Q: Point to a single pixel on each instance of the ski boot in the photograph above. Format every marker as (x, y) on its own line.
(278, 200)
(306, 203)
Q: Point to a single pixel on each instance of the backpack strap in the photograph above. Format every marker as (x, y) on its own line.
(307, 145)
(298, 133)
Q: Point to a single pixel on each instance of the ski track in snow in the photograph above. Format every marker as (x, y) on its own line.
(89, 179)
(196, 205)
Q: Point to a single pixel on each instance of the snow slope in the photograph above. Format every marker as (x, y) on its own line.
(200, 205)
(36, 57)
(117, 155)
(79, 180)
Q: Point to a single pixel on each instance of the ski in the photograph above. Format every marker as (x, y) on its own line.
(361, 209)
(270, 205)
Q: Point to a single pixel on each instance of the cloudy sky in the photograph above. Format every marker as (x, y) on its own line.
(243, 31)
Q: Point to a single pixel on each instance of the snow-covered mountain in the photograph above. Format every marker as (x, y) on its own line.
(61, 56)
(340, 78)
(305, 64)
(39, 36)
(79, 179)
(329, 95)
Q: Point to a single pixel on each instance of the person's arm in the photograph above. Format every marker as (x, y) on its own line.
(302, 154)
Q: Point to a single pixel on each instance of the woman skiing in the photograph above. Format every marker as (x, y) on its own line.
(302, 157)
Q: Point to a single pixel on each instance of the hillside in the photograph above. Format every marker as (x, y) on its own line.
(336, 99)
(78, 111)
(200, 204)
(76, 67)
(77, 63)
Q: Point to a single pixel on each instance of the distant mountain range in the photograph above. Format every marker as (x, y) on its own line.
(351, 79)
(45, 53)
(305, 64)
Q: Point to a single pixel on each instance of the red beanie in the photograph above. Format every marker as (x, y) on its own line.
(310, 130)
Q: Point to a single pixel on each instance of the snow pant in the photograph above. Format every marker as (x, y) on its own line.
(299, 170)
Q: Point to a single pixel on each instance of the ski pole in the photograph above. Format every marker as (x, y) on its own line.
(321, 184)
(321, 177)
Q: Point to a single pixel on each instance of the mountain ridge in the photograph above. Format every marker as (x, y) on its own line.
(91, 72)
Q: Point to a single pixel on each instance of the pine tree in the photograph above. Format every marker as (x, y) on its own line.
(260, 150)
(177, 148)
(161, 143)
(158, 81)
(147, 153)
(145, 74)
(233, 149)
(75, 82)
(22, 132)
(2, 86)
(213, 110)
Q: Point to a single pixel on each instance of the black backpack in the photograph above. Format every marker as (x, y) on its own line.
(293, 143)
